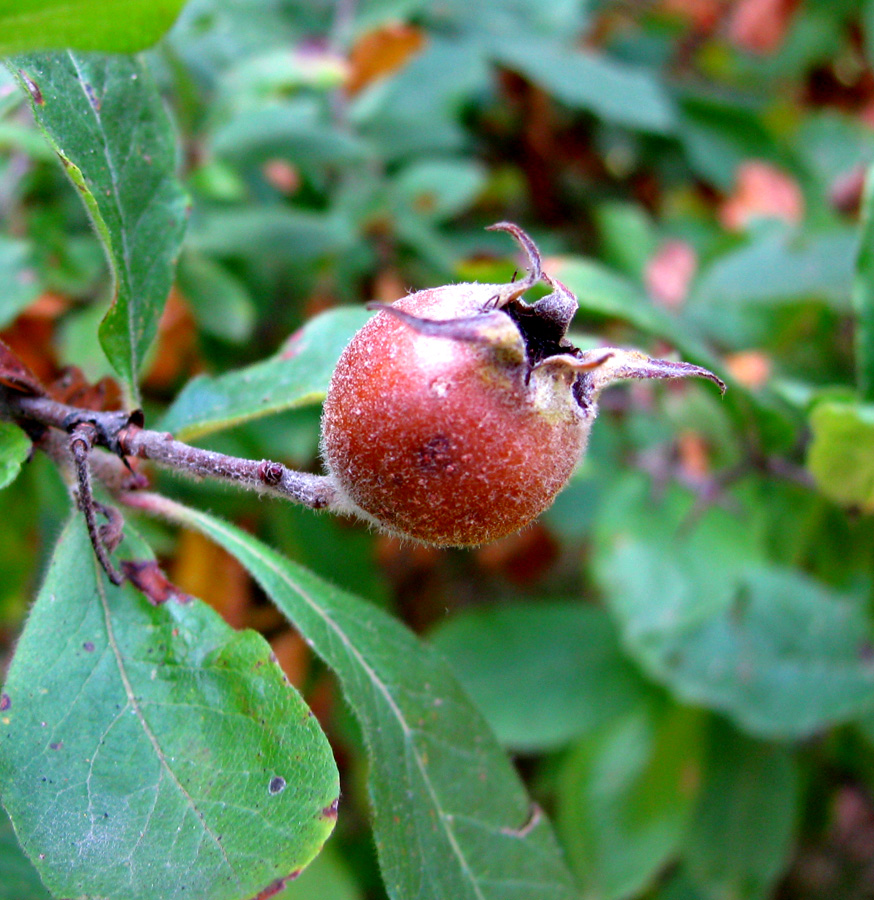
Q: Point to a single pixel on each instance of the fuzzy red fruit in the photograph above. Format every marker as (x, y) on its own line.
(456, 415)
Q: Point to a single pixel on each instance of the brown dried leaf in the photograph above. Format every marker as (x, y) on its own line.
(694, 456)
(282, 175)
(16, 375)
(293, 656)
(73, 388)
(176, 353)
(381, 52)
(521, 558)
(846, 191)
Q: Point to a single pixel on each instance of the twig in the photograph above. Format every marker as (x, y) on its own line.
(81, 442)
(123, 435)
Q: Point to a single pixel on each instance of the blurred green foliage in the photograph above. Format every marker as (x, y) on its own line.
(681, 653)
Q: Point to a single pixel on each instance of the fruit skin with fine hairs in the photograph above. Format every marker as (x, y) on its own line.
(456, 414)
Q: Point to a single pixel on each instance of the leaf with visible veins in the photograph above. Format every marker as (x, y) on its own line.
(162, 751)
(104, 118)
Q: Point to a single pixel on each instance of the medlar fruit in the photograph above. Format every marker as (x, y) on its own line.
(457, 414)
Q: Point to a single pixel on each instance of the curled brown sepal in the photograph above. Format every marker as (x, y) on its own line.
(534, 263)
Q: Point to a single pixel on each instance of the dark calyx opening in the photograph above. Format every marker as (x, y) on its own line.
(543, 328)
(543, 334)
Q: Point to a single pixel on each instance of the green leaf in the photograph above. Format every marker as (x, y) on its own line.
(151, 751)
(868, 27)
(841, 454)
(14, 451)
(626, 794)
(748, 296)
(263, 69)
(416, 111)
(114, 26)
(298, 376)
(863, 293)
(105, 120)
(679, 886)
(18, 275)
(290, 131)
(437, 188)
(781, 654)
(780, 267)
(628, 237)
(269, 233)
(611, 89)
(719, 133)
(20, 880)
(532, 700)
(831, 145)
(451, 817)
(740, 838)
(220, 302)
(326, 878)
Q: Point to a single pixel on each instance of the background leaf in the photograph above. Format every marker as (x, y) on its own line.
(219, 300)
(775, 268)
(20, 879)
(741, 835)
(612, 89)
(326, 878)
(863, 293)
(626, 794)
(841, 454)
(287, 130)
(297, 376)
(114, 26)
(604, 293)
(14, 450)
(166, 748)
(779, 653)
(269, 233)
(21, 283)
(105, 120)
(441, 787)
(534, 702)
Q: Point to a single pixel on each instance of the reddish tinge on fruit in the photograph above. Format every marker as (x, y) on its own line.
(457, 414)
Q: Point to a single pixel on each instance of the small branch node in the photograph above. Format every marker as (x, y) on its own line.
(271, 472)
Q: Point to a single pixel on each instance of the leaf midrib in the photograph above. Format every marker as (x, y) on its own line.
(150, 735)
(445, 818)
(125, 250)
